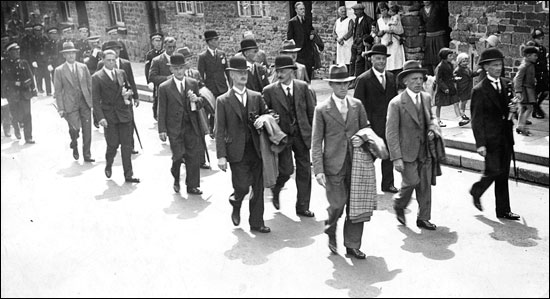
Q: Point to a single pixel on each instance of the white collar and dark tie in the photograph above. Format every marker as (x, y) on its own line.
(381, 77)
(180, 84)
(213, 52)
(288, 89)
(495, 83)
(241, 95)
(72, 67)
(342, 105)
(415, 97)
(110, 73)
(250, 66)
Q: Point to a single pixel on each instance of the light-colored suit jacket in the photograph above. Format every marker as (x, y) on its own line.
(66, 89)
(331, 135)
(403, 130)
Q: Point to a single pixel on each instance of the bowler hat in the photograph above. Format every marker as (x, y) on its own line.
(409, 67)
(112, 44)
(289, 46)
(530, 50)
(12, 45)
(378, 49)
(68, 47)
(339, 73)
(284, 62)
(490, 55)
(247, 44)
(185, 52)
(237, 63)
(177, 59)
(210, 34)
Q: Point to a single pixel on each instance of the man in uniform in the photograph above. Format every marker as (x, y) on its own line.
(112, 32)
(81, 42)
(156, 41)
(39, 58)
(52, 50)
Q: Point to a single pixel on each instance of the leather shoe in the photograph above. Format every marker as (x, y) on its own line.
(275, 200)
(306, 213)
(356, 253)
(134, 152)
(400, 213)
(30, 141)
(509, 216)
(390, 189)
(194, 190)
(261, 229)
(205, 166)
(177, 186)
(7, 134)
(477, 202)
(17, 135)
(108, 171)
(75, 153)
(332, 243)
(425, 224)
(89, 160)
(236, 214)
(132, 180)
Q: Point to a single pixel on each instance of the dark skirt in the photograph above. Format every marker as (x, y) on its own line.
(433, 45)
(443, 99)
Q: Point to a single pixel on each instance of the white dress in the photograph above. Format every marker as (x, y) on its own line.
(343, 52)
(397, 58)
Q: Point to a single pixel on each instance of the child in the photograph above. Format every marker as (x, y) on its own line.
(368, 41)
(445, 93)
(524, 87)
(464, 83)
(395, 20)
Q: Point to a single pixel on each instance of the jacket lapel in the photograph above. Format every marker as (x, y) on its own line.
(175, 92)
(408, 103)
(107, 80)
(68, 74)
(282, 96)
(119, 78)
(236, 104)
(492, 93)
(333, 111)
(376, 82)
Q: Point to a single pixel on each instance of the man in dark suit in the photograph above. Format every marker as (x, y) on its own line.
(257, 74)
(300, 29)
(160, 71)
(493, 132)
(237, 142)
(362, 27)
(178, 119)
(294, 103)
(112, 33)
(375, 88)
(113, 107)
(212, 64)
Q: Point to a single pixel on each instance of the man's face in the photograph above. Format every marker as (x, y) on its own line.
(53, 36)
(37, 32)
(342, 12)
(379, 62)
(340, 89)
(539, 40)
(239, 77)
(284, 75)
(15, 53)
(68, 33)
(178, 71)
(93, 43)
(301, 10)
(70, 57)
(214, 43)
(250, 55)
(157, 44)
(493, 68)
(117, 51)
(532, 57)
(113, 35)
(83, 35)
(414, 82)
(170, 47)
(109, 61)
(358, 12)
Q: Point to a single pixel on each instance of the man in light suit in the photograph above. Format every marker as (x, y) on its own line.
(160, 71)
(335, 122)
(375, 88)
(237, 142)
(178, 119)
(294, 103)
(300, 30)
(410, 124)
(73, 94)
(112, 95)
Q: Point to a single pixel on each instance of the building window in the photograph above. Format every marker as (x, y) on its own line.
(65, 11)
(544, 4)
(255, 9)
(190, 7)
(115, 9)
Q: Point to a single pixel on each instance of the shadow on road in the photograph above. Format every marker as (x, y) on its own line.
(254, 249)
(187, 208)
(75, 169)
(514, 232)
(360, 275)
(114, 191)
(432, 244)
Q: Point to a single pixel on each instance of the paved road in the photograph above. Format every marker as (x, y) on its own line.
(68, 231)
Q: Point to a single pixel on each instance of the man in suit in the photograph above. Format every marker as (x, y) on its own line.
(237, 142)
(294, 103)
(113, 107)
(300, 29)
(362, 27)
(257, 75)
(375, 88)
(73, 94)
(160, 71)
(410, 125)
(212, 64)
(178, 119)
(335, 122)
(112, 33)
(290, 49)
(493, 132)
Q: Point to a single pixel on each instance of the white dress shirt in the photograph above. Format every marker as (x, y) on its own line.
(379, 76)
(285, 88)
(241, 95)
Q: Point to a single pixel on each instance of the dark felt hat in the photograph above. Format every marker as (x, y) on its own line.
(530, 50)
(339, 73)
(409, 67)
(112, 44)
(378, 49)
(237, 63)
(284, 62)
(247, 44)
(490, 55)
(289, 46)
(68, 47)
(177, 59)
(185, 52)
(210, 34)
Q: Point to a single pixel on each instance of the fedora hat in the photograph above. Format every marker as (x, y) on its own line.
(289, 46)
(490, 55)
(177, 59)
(185, 52)
(210, 34)
(112, 44)
(378, 49)
(247, 44)
(358, 6)
(237, 63)
(284, 62)
(68, 47)
(339, 73)
(409, 67)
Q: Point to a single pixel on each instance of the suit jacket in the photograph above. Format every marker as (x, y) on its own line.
(127, 67)
(107, 95)
(212, 71)
(160, 70)
(360, 30)
(304, 105)
(331, 135)
(258, 79)
(231, 126)
(375, 99)
(299, 32)
(66, 90)
(403, 128)
(149, 59)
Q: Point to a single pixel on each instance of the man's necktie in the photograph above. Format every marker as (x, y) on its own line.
(181, 89)
(418, 103)
(497, 86)
(383, 81)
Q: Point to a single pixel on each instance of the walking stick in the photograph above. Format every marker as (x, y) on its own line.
(137, 133)
(515, 168)
(206, 151)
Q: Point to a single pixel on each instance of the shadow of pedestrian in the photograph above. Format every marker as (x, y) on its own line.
(187, 208)
(513, 232)
(432, 244)
(255, 248)
(14, 148)
(166, 151)
(114, 191)
(360, 275)
(384, 201)
(76, 169)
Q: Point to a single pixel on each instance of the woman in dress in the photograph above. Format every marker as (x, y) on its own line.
(343, 29)
(389, 30)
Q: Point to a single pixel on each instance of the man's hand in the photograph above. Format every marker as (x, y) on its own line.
(103, 123)
(162, 136)
(311, 36)
(356, 141)
(50, 68)
(320, 177)
(482, 151)
(398, 165)
(258, 124)
(151, 85)
(222, 164)
(61, 113)
(136, 103)
(34, 64)
(127, 102)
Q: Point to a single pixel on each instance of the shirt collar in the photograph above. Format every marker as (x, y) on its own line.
(377, 73)
(108, 72)
(239, 92)
(211, 51)
(284, 86)
(339, 102)
(249, 64)
(494, 80)
(412, 94)
(167, 56)
(179, 82)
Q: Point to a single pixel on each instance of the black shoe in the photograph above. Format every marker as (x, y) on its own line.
(509, 216)
(400, 213)
(332, 243)
(194, 190)
(176, 186)
(425, 224)
(262, 229)
(30, 141)
(90, 160)
(464, 117)
(306, 213)
(463, 122)
(236, 214)
(477, 202)
(205, 166)
(134, 152)
(356, 253)
(275, 200)
(75, 153)
(108, 171)
(17, 135)
(132, 180)
(390, 189)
